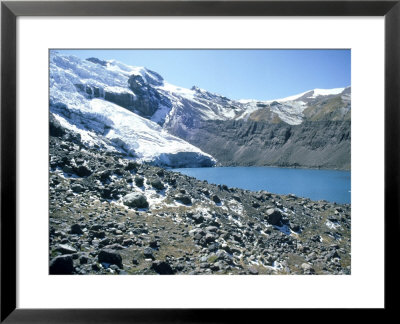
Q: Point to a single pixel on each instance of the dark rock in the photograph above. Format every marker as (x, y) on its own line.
(162, 267)
(295, 228)
(147, 98)
(131, 166)
(83, 259)
(62, 265)
(105, 193)
(184, 199)
(128, 242)
(273, 216)
(55, 127)
(67, 169)
(97, 61)
(237, 198)
(104, 242)
(83, 171)
(154, 244)
(157, 184)
(316, 238)
(104, 175)
(210, 237)
(110, 256)
(100, 234)
(96, 227)
(139, 181)
(135, 200)
(126, 100)
(198, 218)
(76, 229)
(216, 199)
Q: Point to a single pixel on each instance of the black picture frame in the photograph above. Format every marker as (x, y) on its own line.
(10, 10)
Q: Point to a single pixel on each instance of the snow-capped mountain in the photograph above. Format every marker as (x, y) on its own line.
(135, 111)
(91, 97)
(293, 110)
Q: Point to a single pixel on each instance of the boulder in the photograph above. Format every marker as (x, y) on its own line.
(76, 229)
(162, 267)
(157, 184)
(198, 218)
(273, 216)
(62, 265)
(83, 171)
(131, 166)
(135, 200)
(139, 181)
(184, 199)
(216, 199)
(295, 227)
(77, 187)
(110, 256)
(55, 127)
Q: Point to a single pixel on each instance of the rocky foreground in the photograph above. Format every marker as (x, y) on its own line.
(110, 215)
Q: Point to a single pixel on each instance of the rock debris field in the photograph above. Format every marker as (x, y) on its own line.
(112, 216)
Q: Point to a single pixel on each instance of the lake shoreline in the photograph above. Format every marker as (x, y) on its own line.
(330, 185)
(265, 166)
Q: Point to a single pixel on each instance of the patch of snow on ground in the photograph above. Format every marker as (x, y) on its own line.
(284, 229)
(235, 206)
(331, 225)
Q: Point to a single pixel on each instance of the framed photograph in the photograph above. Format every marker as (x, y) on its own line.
(161, 159)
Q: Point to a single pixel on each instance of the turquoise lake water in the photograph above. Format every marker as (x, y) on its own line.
(330, 185)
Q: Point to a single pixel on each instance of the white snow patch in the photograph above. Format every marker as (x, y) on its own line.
(327, 92)
(175, 90)
(331, 225)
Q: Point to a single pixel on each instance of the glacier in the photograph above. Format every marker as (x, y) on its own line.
(101, 123)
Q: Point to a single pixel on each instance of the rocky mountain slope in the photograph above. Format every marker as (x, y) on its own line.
(320, 144)
(111, 215)
(307, 130)
(135, 111)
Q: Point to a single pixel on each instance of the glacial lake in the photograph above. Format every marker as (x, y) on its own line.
(330, 185)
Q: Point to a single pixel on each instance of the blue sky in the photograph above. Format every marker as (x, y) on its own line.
(240, 74)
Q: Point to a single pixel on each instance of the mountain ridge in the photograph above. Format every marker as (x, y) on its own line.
(181, 112)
